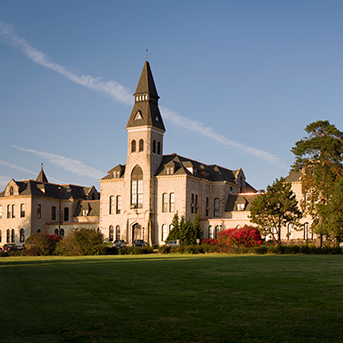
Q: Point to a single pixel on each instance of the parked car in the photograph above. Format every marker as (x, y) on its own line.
(119, 243)
(172, 244)
(9, 247)
(138, 243)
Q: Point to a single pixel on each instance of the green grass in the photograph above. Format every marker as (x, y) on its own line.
(180, 298)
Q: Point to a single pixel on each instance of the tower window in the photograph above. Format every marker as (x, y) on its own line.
(137, 187)
(154, 146)
(133, 146)
(159, 148)
(141, 145)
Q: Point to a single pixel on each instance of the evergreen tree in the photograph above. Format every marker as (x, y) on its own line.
(334, 210)
(174, 233)
(275, 209)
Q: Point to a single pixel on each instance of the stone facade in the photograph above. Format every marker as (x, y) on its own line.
(138, 199)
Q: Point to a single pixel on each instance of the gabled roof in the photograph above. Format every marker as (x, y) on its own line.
(293, 176)
(242, 198)
(145, 110)
(92, 207)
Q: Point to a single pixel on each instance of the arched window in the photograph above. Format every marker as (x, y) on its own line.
(154, 146)
(118, 204)
(11, 190)
(141, 145)
(22, 235)
(110, 233)
(217, 229)
(171, 202)
(13, 211)
(0, 212)
(53, 213)
(12, 235)
(8, 211)
(8, 236)
(22, 210)
(133, 146)
(216, 207)
(56, 232)
(137, 187)
(117, 232)
(62, 232)
(66, 214)
(38, 231)
(210, 232)
(39, 211)
(164, 232)
(164, 202)
(112, 204)
(159, 148)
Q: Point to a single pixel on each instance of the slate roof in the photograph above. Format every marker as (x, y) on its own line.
(242, 198)
(146, 102)
(188, 166)
(51, 190)
(92, 206)
(293, 176)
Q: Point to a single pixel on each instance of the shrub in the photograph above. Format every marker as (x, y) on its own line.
(41, 243)
(81, 242)
(248, 236)
(163, 249)
(211, 241)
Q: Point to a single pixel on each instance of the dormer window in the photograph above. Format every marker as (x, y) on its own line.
(169, 170)
(11, 190)
(240, 207)
(85, 213)
(116, 174)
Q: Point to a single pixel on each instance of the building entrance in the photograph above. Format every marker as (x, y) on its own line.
(137, 232)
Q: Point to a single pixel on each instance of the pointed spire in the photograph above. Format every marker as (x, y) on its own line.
(41, 176)
(145, 111)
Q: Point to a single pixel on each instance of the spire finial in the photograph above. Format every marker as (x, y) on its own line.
(41, 166)
(146, 54)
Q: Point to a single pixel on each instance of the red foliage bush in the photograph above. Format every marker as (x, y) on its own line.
(248, 236)
(210, 241)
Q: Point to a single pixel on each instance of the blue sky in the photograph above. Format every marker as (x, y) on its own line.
(238, 82)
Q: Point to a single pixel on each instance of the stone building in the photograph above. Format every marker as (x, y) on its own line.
(31, 206)
(140, 198)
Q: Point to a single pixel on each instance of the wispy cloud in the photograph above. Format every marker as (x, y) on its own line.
(22, 169)
(112, 88)
(66, 163)
(209, 132)
(120, 93)
(4, 181)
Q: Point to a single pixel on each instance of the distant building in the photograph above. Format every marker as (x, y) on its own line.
(139, 198)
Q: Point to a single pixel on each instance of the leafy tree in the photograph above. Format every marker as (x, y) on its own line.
(319, 158)
(275, 209)
(81, 242)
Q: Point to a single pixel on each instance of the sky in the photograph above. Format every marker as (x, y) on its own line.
(238, 81)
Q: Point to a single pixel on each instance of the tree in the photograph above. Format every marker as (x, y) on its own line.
(81, 242)
(275, 209)
(187, 232)
(319, 158)
(334, 212)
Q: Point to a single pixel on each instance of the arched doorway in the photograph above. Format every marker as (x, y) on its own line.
(137, 232)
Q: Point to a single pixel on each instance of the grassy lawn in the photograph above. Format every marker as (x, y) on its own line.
(182, 298)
